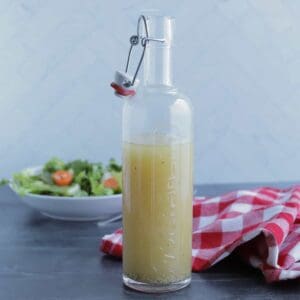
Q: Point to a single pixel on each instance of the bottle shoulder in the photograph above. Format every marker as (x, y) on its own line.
(165, 113)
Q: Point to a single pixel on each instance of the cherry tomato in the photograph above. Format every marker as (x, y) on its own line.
(62, 178)
(111, 183)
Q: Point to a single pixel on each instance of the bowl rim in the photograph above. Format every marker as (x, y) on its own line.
(59, 198)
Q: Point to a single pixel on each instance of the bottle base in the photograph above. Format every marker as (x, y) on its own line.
(155, 288)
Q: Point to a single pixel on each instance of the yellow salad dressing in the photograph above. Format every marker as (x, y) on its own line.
(157, 211)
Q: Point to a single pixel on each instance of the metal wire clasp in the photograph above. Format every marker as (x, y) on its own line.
(135, 40)
(124, 84)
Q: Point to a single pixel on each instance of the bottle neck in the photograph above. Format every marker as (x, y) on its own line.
(157, 65)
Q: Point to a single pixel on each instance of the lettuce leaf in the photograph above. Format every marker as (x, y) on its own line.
(3, 182)
(54, 164)
(26, 184)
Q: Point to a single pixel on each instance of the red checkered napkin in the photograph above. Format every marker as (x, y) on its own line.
(263, 224)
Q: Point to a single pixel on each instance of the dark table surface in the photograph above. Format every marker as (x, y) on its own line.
(45, 259)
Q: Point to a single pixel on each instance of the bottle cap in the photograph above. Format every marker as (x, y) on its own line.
(122, 84)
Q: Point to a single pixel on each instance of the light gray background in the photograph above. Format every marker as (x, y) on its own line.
(238, 60)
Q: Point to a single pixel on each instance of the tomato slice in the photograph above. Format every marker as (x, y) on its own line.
(62, 178)
(111, 183)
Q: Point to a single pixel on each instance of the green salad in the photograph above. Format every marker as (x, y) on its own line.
(76, 178)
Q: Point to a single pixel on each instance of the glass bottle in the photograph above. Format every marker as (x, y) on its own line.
(157, 173)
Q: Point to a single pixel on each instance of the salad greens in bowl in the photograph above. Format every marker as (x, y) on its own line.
(77, 190)
(77, 178)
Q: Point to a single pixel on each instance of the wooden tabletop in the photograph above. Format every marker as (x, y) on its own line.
(45, 259)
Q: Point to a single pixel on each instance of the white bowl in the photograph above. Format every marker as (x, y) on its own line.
(87, 208)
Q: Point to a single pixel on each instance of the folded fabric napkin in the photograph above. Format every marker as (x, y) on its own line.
(263, 225)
